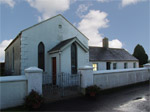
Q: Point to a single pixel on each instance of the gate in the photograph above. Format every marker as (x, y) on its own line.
(66, 85)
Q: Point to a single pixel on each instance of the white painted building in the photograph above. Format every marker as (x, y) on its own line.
(53, 45)
(105, 58)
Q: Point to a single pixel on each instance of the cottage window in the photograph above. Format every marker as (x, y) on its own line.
(73, 58)
(134, 65)
(41, 56)
(125, 65)
(114, 65)
(95, 66)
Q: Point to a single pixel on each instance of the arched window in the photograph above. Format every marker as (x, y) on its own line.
(41, 56)
(73, 58)
(13, 59)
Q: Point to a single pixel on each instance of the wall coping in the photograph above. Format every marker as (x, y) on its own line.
(118, 70)
(13, 78)
(86, 68)
(147, 65)
(33, 70)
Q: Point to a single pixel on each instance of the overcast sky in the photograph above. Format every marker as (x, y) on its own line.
(125, 22)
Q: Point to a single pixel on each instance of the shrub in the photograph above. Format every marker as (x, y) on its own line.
(92, 90)
(33, 101)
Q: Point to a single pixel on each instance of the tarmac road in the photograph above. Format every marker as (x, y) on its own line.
(135, 98)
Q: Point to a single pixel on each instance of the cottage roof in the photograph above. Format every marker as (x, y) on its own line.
(63, 44)
(109, 54)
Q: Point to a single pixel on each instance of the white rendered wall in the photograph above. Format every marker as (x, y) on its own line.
(86, 76)
(83, 57)
(66, 60)
(69, 31)
(49, 33)
(12, 91)
(116, 78)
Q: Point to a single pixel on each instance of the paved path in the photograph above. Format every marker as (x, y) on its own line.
(135, 98)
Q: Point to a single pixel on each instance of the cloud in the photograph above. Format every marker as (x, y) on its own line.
(3, 45)
(115, 44)
(129, 2)
(123, 2)
(90, 25)
(49, 8)
(82, 8)
(103, 1)
(11, 3)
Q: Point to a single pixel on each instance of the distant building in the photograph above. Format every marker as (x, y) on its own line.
(105, 58)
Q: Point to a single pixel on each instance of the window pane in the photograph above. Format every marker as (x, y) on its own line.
(41, 56)
(114, 65)
(95, 67)
(134, 65)
(125, 65)
(73, 58)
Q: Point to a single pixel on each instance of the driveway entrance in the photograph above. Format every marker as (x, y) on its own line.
(66, 85)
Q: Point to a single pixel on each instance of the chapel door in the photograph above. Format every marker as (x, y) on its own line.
(54, 70)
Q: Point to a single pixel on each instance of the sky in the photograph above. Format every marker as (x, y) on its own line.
(125, 23)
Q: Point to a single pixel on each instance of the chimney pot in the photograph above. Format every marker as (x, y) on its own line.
(105, 43)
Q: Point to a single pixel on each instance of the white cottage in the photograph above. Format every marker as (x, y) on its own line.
(53, 45)
(105, 58)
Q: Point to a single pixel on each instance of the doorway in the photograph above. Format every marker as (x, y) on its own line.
(108, 65)
(54, 71)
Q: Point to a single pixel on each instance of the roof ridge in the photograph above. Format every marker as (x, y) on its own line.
(41, 22)
(107, 48)
(100, 53)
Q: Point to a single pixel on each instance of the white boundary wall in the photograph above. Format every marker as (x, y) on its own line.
(106, 79)
(116, 78)
(13, 89)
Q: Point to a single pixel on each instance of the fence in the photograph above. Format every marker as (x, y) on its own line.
(62, 79)
(66, 85)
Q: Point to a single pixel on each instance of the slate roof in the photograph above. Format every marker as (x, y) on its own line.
(60, 45)
(109, 54)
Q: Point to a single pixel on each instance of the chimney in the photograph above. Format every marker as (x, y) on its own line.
(105, 43)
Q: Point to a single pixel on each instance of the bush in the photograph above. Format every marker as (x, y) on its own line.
(33, 101)
(92, 90)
